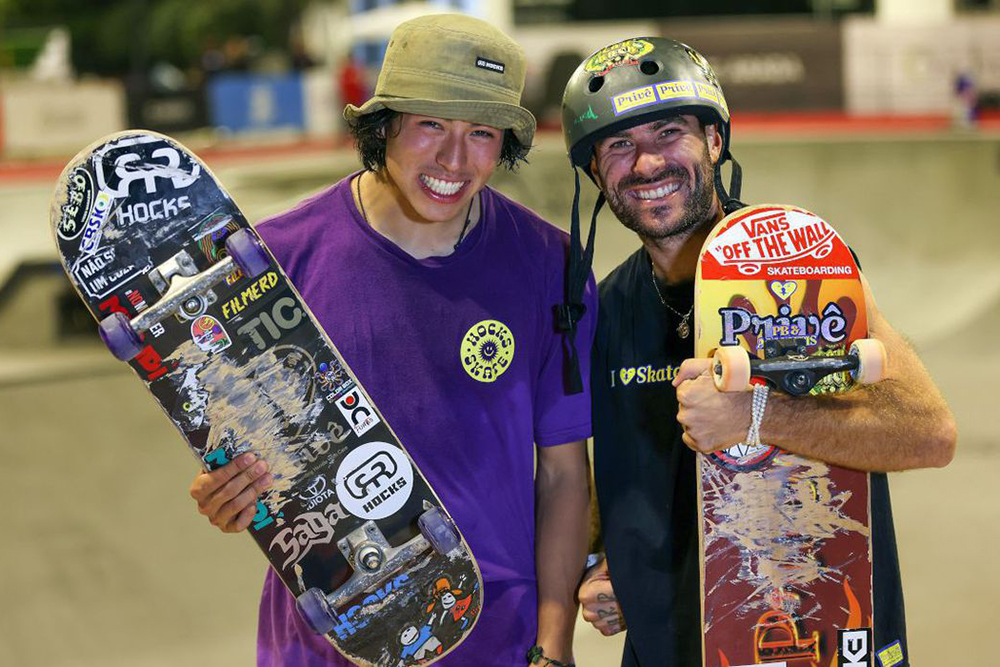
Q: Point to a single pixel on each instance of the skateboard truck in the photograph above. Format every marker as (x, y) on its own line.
(183, 291)
(787, 366)
(374, 561)
(181, 265)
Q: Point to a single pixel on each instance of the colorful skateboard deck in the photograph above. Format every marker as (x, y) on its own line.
(785, 541)
(235, 359)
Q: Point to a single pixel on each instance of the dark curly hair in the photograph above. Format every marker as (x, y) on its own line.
(370, 132)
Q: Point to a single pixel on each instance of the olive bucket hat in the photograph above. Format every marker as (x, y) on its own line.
(455, 67)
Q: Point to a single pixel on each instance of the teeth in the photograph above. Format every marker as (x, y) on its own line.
(658, 192)
(442, 187)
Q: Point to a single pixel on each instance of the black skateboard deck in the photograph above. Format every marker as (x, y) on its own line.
(186, 292)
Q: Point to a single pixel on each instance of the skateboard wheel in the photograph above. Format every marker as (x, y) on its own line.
(731, 368)
(117, 333)
(315, 611)
(871, 360)
(248, 253)
(437, 528)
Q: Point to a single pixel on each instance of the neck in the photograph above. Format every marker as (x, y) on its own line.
(675, 258)
(388, 212)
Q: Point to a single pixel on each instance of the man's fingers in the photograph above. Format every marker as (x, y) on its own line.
(689, 441)
(690, 369)
(607, 620)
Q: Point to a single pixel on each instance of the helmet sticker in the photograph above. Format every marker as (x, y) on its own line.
(633, 99)
(626, 52)
(586, 115)
(703, 65)
(666, 92)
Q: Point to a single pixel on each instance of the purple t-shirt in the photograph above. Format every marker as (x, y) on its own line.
(461, 355)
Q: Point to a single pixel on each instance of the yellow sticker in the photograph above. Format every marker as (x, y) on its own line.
(674, 89)
(626, 52)
(487, 350)
(634, 98)
(708, 92)
(891, 655)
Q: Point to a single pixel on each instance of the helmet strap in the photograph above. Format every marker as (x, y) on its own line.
(569, 313)
(731, 200)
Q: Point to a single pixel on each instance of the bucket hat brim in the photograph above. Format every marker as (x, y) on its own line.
(500, 115)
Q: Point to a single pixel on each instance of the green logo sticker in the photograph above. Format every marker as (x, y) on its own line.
(586, 115)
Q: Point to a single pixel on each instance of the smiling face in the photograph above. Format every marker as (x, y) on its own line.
(437, 165)
(658, 177)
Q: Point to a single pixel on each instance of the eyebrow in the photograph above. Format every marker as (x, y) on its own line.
(658, 124)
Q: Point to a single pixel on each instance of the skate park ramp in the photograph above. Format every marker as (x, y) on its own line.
(106, 562)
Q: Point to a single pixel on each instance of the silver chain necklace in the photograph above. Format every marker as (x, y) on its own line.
(683, 328)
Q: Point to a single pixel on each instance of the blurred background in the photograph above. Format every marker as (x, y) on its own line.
(882, 116)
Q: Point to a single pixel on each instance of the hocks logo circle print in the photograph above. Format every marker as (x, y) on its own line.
(374, 481)
(487, 350)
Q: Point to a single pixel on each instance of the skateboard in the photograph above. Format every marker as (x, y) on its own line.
(785, 541)
(186, 292)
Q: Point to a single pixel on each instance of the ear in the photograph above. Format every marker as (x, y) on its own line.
(713, 137)
(593, 169)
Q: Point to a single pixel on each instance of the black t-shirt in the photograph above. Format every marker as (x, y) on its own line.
(647, 477)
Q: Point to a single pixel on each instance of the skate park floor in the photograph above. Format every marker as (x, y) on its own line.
(105, 560)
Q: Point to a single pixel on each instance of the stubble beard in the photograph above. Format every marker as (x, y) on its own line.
(695, 212)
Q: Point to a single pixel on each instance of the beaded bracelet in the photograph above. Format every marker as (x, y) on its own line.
(535, 654)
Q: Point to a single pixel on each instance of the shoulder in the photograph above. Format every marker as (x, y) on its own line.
(621, 281)
(310, 211)
(529, 228)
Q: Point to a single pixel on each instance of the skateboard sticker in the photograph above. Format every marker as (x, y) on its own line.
(784, 290)
(777, 243)
(374, 480)
(854, 648)
(121, 163)
(79, 204)
(743, 457)
(209, 334)
(358, 412)
(309, 529)
(99, 216)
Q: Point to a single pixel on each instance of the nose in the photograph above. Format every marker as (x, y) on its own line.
(452, 152)
(649, 162)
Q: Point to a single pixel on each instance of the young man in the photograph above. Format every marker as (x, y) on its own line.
(656, 160)
(400, 263)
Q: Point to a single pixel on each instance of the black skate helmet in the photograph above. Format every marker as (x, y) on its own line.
(637, 81)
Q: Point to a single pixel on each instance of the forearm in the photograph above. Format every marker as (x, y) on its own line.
(899, 423)
(560, 552)
(882, 428)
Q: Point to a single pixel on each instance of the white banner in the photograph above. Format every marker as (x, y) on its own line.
(58, 119)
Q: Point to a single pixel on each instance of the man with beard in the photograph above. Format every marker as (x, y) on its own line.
(651, 130)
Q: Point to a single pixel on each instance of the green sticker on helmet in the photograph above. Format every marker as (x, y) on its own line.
(626, 52)
(586, 115)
